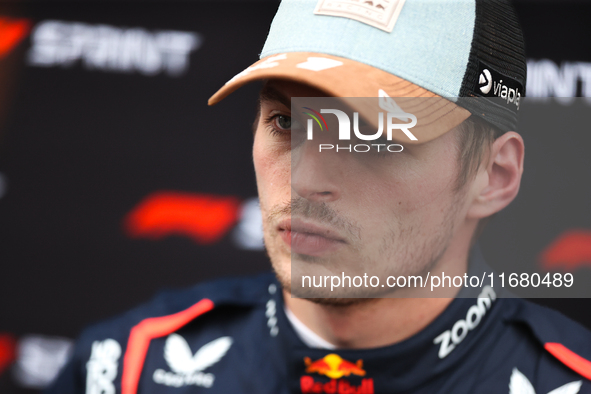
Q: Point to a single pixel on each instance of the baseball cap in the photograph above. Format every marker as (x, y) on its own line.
(469, 54)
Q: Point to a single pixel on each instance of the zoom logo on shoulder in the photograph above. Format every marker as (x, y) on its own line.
(494, 84)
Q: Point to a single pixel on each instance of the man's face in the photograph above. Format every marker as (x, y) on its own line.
(323, 214)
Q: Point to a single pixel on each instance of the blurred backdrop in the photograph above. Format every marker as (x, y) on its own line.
(117, 180)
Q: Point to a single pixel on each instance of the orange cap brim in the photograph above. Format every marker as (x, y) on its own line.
(342, 77)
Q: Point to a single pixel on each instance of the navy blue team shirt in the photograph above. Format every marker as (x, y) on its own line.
(232, 336)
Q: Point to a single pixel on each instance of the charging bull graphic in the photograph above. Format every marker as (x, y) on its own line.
(334, 366)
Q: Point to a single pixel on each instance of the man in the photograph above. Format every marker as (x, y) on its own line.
(410, 212)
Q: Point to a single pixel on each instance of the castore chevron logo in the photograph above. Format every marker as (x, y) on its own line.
(519, 384)
(187, 367)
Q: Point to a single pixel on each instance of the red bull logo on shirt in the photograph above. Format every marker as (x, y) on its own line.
(335, 367)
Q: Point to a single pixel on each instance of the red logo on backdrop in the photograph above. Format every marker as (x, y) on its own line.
(335, 367)
(7, 351)
(12, 31)
(202, 217)
(569, 252)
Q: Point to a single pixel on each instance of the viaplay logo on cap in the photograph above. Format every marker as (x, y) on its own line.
(335, 367)
(492, 83)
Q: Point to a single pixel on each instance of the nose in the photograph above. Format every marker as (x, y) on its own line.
(316, 175)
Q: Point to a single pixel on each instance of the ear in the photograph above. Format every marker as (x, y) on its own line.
(499, 177)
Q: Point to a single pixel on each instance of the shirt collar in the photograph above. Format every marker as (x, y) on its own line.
(406, 365)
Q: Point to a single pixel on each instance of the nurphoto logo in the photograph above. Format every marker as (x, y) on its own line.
(392, 121)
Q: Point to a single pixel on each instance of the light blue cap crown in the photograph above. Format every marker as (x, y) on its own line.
(428, 46)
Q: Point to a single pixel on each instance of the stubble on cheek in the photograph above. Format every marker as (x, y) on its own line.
(415, 246)
(278, 254)
(423, 229)
(273, 176)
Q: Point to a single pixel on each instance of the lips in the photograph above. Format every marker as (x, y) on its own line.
(308, 238)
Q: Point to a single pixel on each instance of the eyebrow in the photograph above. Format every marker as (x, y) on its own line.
(271, 94)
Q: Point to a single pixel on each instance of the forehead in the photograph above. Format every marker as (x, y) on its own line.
(280, 90)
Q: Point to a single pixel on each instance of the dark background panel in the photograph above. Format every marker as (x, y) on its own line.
(83, 147)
